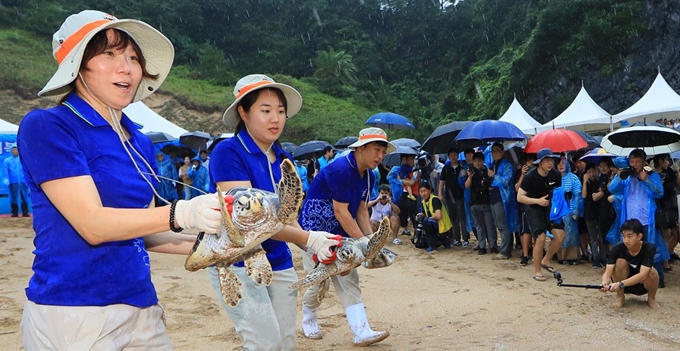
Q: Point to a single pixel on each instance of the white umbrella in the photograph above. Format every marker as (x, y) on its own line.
(654, 140)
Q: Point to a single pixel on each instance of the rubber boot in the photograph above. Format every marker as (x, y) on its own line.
(310, 323)
(15, 210)
(358, 323)
(24, 209)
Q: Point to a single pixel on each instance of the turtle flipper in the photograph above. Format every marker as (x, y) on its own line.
(230, 285)
(228, 226)
(315, 276)
(324, 286)
(290, 193)
(378, 239)
(258, 268)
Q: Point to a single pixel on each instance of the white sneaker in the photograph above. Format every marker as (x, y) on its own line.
(396, 241)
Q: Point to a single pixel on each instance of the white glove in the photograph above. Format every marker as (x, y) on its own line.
(320, 243)
(201, 212)
(364, 239)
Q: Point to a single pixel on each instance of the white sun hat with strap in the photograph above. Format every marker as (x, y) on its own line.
(369, 135)
(69, 42)
(254, 82)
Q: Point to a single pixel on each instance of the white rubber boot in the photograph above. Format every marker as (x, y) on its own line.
(310, 324)
(358, 323)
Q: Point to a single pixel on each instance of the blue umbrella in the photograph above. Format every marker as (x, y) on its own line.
(595, 155)
(406, 142)
(488, 131)
(389, 120)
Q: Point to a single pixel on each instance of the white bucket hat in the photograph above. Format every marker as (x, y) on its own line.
(254, 82)
(369, 135)
(69, 42)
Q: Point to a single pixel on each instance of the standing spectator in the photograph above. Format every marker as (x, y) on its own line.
(573, 195)
(184, 177)
(451, 191)
(536, 192)
(469, 219)
(200, 179)
(302, 173)
(205, 159)
(502, 199)
(337, 202)
(384, 206)
(395, 183)
(409, 180)
(640, 189)
(593, 196)
(18, 191)
(667, 213)
(326, 158)
(479, 182)
(524, 229)
(166, 184)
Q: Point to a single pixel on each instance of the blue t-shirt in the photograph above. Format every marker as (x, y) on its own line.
(339, 181)
(240, 159)
(73, 140)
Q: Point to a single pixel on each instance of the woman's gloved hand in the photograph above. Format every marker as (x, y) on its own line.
(201, 213)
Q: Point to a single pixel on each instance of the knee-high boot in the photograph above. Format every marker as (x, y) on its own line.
(310, 323)
(358, 323)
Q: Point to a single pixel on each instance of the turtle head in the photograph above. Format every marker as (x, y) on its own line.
(345, 253)
(249, 204)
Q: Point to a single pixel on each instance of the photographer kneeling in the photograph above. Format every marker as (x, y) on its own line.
(434, 218)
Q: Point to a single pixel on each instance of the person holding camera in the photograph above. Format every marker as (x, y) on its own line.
(536, 192)
(199, 177)
(641, 187)
(451, 190)
(435, 219)
(478, 181)
(630, 267)
(382, 207)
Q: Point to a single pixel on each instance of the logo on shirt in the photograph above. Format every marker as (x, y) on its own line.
(633, 265)
(551, 183)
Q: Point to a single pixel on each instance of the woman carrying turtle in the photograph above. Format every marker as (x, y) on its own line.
(252, 158)
(94, 211)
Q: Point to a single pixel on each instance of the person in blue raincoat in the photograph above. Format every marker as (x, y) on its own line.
(18, 190)
(302, 173)
(503, 198)
(395, 184)
(166, 187)
(572, 190)
(199, 174)
(613, 236)
(640, 191)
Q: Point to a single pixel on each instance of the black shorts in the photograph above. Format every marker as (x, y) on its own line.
(666, 219)
(582, 227)
(637, 289)
(538, 219)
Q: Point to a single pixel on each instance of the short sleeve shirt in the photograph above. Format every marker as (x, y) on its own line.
(339, 181)
(537, 186)
(73, 140)
(450, 177)
(239, 159)
(644, 258)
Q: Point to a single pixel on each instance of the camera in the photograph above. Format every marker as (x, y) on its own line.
(420, 227)
(384, 197)
(627, 172)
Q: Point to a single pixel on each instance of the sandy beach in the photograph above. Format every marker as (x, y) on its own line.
(450, 300)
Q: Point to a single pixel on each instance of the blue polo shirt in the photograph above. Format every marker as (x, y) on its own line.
(73, 140)
(240, 159)
(339, 181)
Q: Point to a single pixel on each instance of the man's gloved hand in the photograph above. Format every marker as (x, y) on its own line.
(321, 242)
(201, 212)
(364, 239)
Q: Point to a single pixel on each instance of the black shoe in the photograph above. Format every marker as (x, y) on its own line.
(476, 248)
(482, 252)
(675, 257)
(523, 261)
(495, 250)
(518, 247)
(584, 258)
(662, 284)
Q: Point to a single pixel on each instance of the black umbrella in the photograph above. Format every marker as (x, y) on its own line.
(346, 141)
(210, 144)
(159, 137)
(590, 140)
(195, 140)
(310, 149)
(653, 138)
(443, 137)
(288, 146)
(406, 142)
(394, 158)
(179, 150)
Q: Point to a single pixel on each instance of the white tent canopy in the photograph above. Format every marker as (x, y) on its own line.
(518, 116)
(660, 101)
(6, 127)
(583, 114)
(152, 122)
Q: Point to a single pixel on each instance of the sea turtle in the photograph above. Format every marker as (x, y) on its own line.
(255, 217)
(351, 254)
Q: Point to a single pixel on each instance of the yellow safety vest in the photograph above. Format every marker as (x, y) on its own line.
(445, 221)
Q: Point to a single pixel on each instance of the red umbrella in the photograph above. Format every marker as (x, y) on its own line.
(557, 140)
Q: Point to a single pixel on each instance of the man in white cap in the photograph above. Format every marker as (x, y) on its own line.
(337, 203)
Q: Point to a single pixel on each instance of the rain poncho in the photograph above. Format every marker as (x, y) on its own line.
(503, 181)
(614, 234)
(654, 190)
(571, 184)
(166, 187)
(302, 173)
(395, 184)
(200, 177)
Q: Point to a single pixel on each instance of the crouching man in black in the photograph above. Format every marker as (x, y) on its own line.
(436, 221)
(629, 266)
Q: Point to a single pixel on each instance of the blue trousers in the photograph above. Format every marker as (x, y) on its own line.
(19, 195)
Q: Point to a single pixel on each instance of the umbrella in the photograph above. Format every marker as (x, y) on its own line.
(288, 146)
(557, 140)
(212, 142)
(389, 120)
(309, 149)
(195, 140)
(652, 139)
(159, 137)
(592, 141)
(595, 155)
(443, 137)
(180, 150)
(346, 141)
(489, 130)
(394, 158)
(406, 142)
